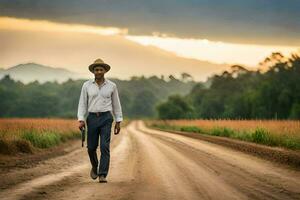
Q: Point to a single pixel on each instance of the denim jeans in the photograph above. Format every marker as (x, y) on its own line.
(99, 126)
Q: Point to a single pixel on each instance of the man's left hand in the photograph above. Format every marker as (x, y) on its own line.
(117, 128)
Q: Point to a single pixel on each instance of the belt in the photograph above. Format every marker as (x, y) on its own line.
(98, 113)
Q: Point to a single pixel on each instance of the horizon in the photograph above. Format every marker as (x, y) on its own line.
(203, 39)
(159, 76)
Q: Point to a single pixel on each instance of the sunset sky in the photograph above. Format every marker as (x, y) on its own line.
(147, 37)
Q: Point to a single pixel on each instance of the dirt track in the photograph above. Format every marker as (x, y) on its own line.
(150, 164)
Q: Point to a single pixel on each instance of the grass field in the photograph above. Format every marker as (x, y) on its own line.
(23, 135)
(285, 133)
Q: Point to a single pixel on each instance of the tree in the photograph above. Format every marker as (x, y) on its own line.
(295, 111)
(143, 104)
(175, 108)
(186, 77)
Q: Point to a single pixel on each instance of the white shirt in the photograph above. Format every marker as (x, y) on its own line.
(95, 98)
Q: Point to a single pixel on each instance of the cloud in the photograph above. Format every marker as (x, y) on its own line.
(273, 22)
(7, 23)
(200, 49)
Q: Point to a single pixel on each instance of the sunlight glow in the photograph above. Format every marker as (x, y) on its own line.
(212, 51)
(7, 23)
(201, 49)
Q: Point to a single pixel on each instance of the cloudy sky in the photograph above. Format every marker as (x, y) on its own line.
(147, 37)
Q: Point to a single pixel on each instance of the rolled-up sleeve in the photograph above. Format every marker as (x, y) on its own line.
(83, 104)
(117, 109)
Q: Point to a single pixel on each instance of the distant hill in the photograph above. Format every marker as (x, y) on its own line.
(31, 71)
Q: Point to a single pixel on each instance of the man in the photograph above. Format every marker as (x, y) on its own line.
(98, 100)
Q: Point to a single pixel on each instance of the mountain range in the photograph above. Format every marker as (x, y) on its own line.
(30, 72)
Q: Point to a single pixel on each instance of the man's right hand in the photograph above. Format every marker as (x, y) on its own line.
(81, 124)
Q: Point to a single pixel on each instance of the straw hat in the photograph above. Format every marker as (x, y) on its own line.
(99, 62)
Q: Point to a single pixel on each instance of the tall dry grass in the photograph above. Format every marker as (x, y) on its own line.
(278, 127)
(25, 134)
(284, 133)
(22, 135)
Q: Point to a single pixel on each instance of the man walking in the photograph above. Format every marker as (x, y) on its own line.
(98, 104)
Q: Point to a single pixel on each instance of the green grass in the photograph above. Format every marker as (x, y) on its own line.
(42, 140)
(259, 135)
(221, 131)
(28, 139)
(47, 139)
(193, 129)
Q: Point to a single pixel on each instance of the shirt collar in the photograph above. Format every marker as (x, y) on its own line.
(105, 81)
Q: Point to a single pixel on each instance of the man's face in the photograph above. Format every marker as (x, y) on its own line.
(99, 71)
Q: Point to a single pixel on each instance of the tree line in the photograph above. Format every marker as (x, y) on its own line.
(139, 96)
(271, 92)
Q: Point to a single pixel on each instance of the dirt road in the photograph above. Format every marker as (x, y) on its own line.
(151, 164)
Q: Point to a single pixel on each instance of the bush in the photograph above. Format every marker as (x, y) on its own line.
(7, 147)
(291, 143)
(176, 107)
(222, 131)
(193, 129)
(23, 146)
(166, 127)
(262, 136)
(10, 147)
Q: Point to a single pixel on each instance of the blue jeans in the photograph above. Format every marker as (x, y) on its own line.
(99, 126)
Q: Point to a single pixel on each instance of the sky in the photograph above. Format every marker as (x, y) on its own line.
(200, 37)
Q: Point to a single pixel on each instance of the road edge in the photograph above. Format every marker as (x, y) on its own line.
(274, 154)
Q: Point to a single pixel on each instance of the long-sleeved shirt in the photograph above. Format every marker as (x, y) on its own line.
(95, 98)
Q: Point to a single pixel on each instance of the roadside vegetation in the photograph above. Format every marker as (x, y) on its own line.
(25, 135)
(285, 133)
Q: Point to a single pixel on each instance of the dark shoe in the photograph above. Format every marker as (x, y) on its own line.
(93, 173)
(102, 179)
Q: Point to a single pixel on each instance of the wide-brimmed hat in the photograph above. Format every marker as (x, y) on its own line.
(99, 62)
